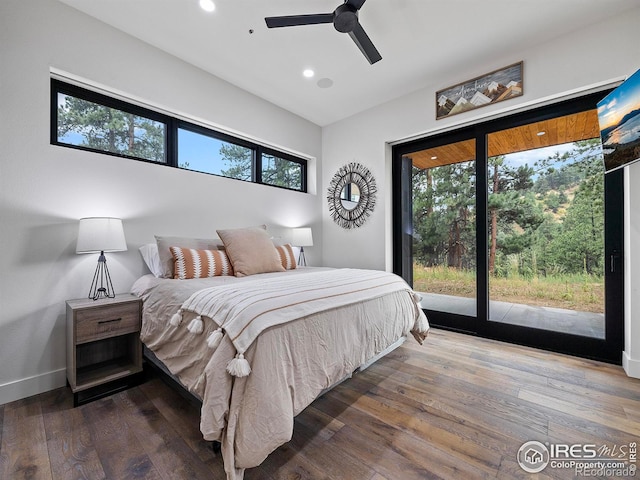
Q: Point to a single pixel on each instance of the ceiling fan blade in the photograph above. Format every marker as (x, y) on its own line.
(364, 43)
(357, 4)
(295, 20)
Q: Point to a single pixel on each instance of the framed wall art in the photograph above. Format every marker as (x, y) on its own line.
(487, 89)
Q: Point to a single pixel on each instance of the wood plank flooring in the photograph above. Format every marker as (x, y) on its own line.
(458, 407)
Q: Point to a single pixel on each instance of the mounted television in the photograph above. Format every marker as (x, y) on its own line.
(619, 119)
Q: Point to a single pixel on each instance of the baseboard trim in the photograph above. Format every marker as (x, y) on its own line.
(631, 366)
(29, 386)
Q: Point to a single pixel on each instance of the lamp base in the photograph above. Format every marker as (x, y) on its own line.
(101, 286)
(302, 261)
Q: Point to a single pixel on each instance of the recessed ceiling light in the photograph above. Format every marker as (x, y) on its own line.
(541, 133)
(308, 73)
(434, 158)
(207, 5)
(325, 83)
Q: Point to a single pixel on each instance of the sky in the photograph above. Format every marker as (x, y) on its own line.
(201, 152)
(529, 157)
(621, 101)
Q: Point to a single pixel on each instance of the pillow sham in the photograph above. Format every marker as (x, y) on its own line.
(166, 258)
(192, 263)
(287, 256)
(251, 251)
(151, 258)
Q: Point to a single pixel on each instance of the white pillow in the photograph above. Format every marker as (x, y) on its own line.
(151, 257)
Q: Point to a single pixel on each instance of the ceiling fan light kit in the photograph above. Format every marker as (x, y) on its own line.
(344, 19)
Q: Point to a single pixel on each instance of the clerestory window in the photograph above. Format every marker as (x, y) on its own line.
(88, 120)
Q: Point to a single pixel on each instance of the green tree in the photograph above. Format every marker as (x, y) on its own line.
(577, 243)
(580, 245)
(444, 215)
(514, 214)
(281, 172)
(239, 159)
(542, 246)
(91, 125)
(543, 219)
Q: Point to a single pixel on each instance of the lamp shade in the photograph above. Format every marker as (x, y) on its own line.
(302, 237)
(100, 234)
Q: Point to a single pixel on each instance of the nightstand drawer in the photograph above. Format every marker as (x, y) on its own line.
(110, 321)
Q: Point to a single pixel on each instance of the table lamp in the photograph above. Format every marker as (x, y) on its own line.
(101, 234)
(302, 237)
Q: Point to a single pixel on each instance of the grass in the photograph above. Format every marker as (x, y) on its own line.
(583, 293)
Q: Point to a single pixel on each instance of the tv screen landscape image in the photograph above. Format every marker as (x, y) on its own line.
(619, 120)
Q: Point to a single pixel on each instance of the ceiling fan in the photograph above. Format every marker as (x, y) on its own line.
(344, 19)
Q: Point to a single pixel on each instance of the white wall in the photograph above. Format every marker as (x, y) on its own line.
(574, 61)
(631, 356)
(45, 189)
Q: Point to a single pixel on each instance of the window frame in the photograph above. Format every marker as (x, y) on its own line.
(207, 132)
(59, 87)
(283, 156)
(172, 126)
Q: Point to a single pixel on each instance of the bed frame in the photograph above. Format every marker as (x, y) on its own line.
(169, 378)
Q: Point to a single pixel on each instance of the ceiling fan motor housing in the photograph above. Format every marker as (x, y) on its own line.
(345, 18)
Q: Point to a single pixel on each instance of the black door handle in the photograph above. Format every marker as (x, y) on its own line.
(612, 263)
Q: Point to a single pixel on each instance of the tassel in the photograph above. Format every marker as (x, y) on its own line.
(239, 367)
(176, 319)
(421, 325)
(196, 325)
(215, 338)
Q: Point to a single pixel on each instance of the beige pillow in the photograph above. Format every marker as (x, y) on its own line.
(192, 263)
(166, 259)
(251, 251)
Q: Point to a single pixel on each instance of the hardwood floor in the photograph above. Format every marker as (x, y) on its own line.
(458, 407)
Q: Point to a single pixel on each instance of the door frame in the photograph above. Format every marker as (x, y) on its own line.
(610, 349)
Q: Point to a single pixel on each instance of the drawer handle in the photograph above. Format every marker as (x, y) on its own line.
(100, 322)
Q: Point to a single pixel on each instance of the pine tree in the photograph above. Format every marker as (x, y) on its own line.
(95, 126)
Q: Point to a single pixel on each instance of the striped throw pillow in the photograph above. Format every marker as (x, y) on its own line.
(192, 263)
(286, 256)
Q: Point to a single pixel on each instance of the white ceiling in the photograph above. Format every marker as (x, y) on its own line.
(420, 41)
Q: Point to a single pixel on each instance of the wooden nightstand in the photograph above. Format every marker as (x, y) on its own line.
(103, 345)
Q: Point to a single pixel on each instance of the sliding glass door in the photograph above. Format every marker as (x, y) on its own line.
(443, 216)
(546, 254)
(511, 230)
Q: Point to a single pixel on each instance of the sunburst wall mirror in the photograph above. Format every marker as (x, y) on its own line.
(352, 195)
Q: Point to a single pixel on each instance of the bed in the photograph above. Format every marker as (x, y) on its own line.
(258, 349)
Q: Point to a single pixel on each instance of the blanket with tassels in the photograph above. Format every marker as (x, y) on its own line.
(243, 310)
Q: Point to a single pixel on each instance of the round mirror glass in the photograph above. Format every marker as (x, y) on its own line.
(350, 196)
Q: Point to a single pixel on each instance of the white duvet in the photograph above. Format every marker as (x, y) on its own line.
(291, 363)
